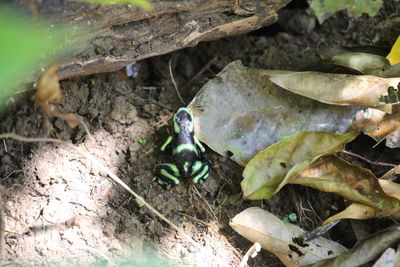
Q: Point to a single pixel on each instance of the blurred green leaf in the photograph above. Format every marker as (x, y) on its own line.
(325, 8)
(273, 167)
(144, 4)
(25, 45)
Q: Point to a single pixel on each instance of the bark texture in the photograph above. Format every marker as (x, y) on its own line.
(115, 35)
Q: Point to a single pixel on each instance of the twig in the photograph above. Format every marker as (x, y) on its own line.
(202, 70)
(86, 128)
(367, 160)
(173, 81)
(211, 211)
(106, 170)
(139, 199)
(29, 139)
(252, 252)
(98, 252)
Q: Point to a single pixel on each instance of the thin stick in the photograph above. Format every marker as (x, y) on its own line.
(29, 139)
(252, 252)
(202, 70)
(173, 81)
(211, 211)
(98, 252)
(105, 170)
(367, 160)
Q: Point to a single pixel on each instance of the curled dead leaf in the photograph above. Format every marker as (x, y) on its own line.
(48, 88)
(49, 93)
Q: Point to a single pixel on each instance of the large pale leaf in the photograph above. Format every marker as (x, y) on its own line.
(338, 89)
(273, 167)
(365, 251)
(274, 235)
(243, 112)
(354, 183)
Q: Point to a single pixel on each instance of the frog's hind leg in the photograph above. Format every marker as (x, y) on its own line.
(200, 171)
(167, 175)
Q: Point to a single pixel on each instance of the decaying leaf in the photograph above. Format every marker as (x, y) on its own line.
(274, 235)
(338, 89)
(241, 111)
(48, 94)
(334, 175)
(377, 124)
(392, 96)
(383, 209)
(365, 251)
(275, 166)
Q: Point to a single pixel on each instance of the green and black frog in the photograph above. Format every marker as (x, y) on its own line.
(187, 152)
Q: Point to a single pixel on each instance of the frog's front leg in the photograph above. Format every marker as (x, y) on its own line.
(167, 175)
(199, 145)
(200, 171)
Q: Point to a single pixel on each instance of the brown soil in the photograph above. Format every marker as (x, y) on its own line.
(61, 209)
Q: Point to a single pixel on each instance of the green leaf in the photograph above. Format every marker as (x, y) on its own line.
(144, 4)
(24, 46)
(273, 167)
(325, 8)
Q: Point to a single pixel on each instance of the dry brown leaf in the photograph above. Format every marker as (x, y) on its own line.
(49, 93)
(376, 123)
(48, 88)
(354, 183)
(338, 89)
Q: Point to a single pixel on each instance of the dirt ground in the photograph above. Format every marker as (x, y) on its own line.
(61, 209)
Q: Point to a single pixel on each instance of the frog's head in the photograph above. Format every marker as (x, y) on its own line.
(183, 121)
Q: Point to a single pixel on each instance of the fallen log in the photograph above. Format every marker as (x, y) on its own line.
(116, 35)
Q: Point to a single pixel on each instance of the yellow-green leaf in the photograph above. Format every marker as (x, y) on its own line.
(394, 55)
(354, 211)
(273, 167)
